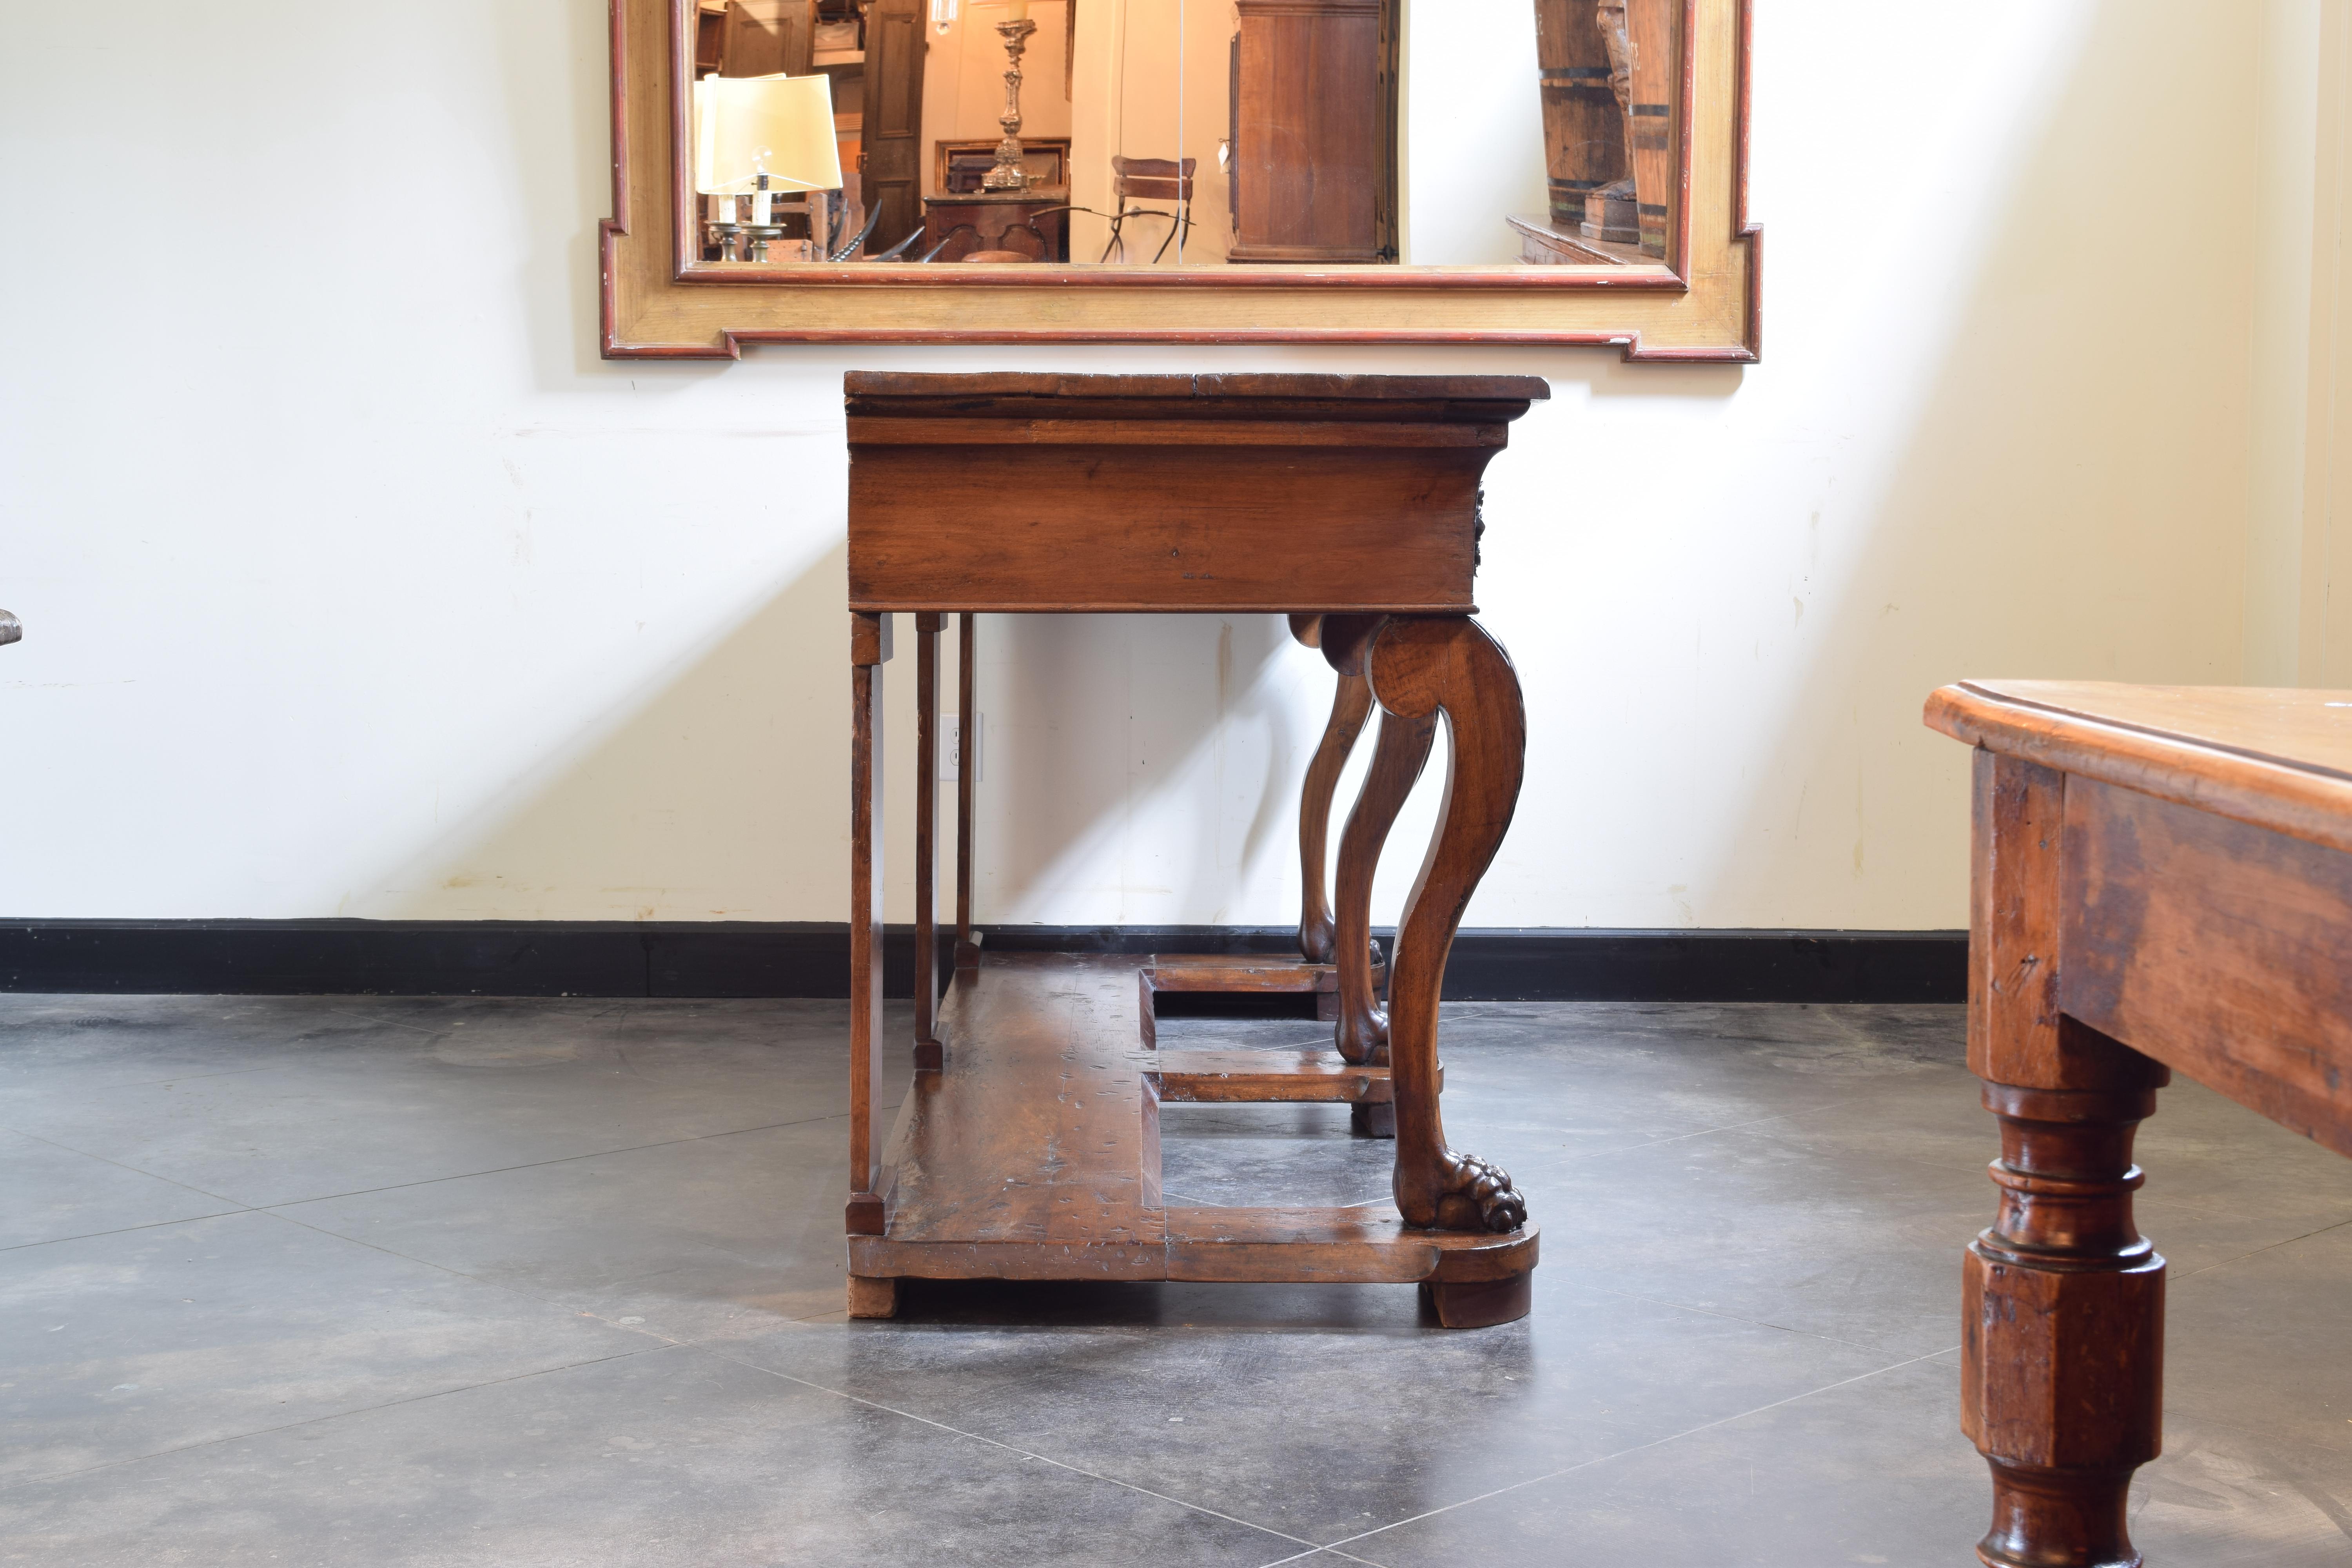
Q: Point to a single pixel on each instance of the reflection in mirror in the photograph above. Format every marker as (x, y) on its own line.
(1190, 133)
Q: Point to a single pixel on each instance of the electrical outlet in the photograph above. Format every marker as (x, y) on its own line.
(952, 745)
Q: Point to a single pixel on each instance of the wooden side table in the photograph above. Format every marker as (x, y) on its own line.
(1028, 1145)
(1034, 222)
(2162, 879)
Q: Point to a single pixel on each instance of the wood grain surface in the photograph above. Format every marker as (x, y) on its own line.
(1422, 668)
(2279, 758)
(1028, 1144)
(2221, 950)
(2162, 879)
(1352, 704)
(998, 492)
(1035, 1153)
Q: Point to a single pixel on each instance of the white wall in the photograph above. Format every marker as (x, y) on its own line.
(2299, 534)
(356, 584)
(1472, 129)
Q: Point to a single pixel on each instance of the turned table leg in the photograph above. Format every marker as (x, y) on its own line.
(1351, 705)
(1420, 668)
(2063, 1326)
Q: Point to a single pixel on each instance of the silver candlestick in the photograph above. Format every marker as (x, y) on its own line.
(1011, 173)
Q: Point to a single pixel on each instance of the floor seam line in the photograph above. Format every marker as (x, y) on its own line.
(1735, 1318)
(535, 1165)
(184, 1078)
(514, 1290)
(1686, 1137)
(993, 1443)
(2273, 1247)
(331, 1416)
(125, 1230)
(1637, 1449)
(135, 1170)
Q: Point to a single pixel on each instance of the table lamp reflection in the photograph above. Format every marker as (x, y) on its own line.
(761, 136)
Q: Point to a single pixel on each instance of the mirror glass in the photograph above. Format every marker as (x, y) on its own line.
(1186, 134)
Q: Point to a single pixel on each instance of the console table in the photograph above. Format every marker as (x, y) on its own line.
(2162, 879)
(1027, 1146)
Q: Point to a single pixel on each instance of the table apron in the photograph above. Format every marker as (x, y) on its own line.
(2222, 950)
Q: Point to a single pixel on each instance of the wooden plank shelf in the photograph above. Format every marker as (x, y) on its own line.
(1250, 975)
(1305, 1077)
(1033, 1153)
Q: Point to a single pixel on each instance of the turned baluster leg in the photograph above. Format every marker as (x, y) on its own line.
(869, 646)
(967, 952)
(1351, 705)
(2063, 1323)
(928, 1052)
(1422, 667)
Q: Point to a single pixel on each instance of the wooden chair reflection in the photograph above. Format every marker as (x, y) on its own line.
(1150, 180)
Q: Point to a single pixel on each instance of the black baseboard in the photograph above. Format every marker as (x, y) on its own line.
(747, 958)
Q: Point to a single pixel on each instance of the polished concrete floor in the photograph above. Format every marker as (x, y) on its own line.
(372, 1281)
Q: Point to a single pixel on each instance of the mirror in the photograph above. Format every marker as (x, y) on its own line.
(1184, 135)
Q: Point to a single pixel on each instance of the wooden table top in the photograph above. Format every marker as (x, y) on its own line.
(861, 384)
(1223, 494)
(2275, 757)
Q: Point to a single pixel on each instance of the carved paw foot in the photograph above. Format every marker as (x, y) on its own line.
(1476, 1195)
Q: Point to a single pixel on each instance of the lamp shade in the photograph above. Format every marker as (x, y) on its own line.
(780, 126)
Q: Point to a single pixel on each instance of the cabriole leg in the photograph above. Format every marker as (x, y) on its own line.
(1402, 751)
(1351, 705)
(1420, 667)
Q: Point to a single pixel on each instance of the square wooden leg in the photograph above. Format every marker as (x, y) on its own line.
(870, 1298)
(1479, 1303)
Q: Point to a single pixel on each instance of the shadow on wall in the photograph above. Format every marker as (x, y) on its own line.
(696, 775)
(1094, 720)
(729, 776)
(2083, 437)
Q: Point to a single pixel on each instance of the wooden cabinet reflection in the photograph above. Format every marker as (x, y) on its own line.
(1314, 141)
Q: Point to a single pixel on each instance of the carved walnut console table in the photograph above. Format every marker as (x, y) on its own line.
(1027, 1146)
(2163, 878)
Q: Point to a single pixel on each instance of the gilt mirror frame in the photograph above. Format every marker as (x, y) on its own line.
(660, 300)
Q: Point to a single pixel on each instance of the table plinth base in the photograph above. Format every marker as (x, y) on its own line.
(1033, 1153)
